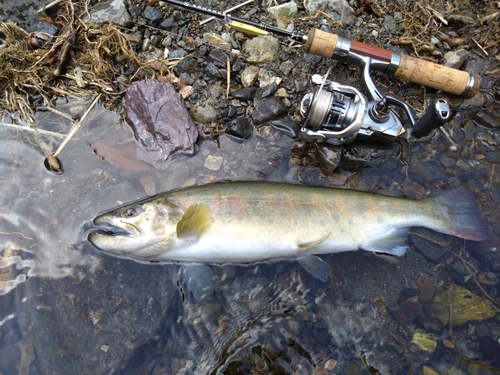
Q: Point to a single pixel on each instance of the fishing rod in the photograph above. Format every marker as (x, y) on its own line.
(366, 56)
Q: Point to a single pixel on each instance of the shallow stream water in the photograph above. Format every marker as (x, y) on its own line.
(69, 308)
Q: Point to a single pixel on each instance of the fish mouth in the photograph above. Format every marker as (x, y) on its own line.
(105, 227)
(111, 230)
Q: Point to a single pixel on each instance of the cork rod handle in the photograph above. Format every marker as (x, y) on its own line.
(436, 76)
(415, 70)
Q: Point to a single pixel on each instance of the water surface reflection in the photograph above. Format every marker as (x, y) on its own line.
(68, 308)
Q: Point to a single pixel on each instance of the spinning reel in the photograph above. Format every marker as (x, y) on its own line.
(337, 114)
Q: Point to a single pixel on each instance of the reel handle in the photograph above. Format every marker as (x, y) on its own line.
(439, 77)
(438, 113)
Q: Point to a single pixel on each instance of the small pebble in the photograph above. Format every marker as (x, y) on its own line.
(330, 364)
(213, 162)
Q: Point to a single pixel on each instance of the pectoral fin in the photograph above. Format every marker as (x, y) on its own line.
(315, 266)
(305, 247)
(195, 221)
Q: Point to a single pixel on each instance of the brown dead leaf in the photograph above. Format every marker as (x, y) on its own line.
(120, 156)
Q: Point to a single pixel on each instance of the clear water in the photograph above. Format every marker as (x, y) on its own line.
(67, 308)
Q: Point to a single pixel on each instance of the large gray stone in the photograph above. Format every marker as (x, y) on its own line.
(114, 11)
(161, 123)
(262, 48)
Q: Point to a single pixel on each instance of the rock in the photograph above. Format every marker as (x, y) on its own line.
(203, 113)
(268, 109)
(218, 58)
(286, 125)
(423, 341)
(487, 118)
(429, 371)
(217, 41)
(167, 23)
(406, 313)
(281, 93)
(286, 67)
(266, 91)
(330, 364)
(301, 83)
(329, 157)
(239, 127)
(466, 306)
(490, 349)
(434, 317)
(178, 53)
(249, 75)
(114, 11)
(425, 288)
(186, 66)
(262, 48)
(162, 126)
(213, 162)
(429, 249)
(390, 24)
(47, 28)
(283, 14)
(212, 71)
(248, 93)
(266, 78)
(266, 132)
(455, 59)
(338, 11)
(447, 161)
(153, 15)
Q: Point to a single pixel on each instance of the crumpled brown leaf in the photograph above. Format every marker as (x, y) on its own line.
(161, 123)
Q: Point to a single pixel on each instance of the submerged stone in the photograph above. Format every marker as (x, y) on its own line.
(161, 123)
(465, 306)
(425, 287)
(239, 127)
(406, 313)
(329, 157)
(434, 317)
(423, 341)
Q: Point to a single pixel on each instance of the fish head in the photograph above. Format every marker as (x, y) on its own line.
(141, 231)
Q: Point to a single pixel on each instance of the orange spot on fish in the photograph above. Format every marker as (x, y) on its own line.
(342, 207)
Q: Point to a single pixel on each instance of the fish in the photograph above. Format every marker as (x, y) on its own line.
(252, 222)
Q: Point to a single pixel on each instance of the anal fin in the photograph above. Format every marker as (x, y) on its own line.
(392, 241)
(316, 266)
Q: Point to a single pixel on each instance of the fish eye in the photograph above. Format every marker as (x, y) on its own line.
(129, 212)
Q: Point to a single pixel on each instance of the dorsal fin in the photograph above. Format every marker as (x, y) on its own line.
(195, 221)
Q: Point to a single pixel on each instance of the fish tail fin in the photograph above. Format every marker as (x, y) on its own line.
(459, 213)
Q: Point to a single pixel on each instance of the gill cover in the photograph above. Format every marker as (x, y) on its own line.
(141, 230)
